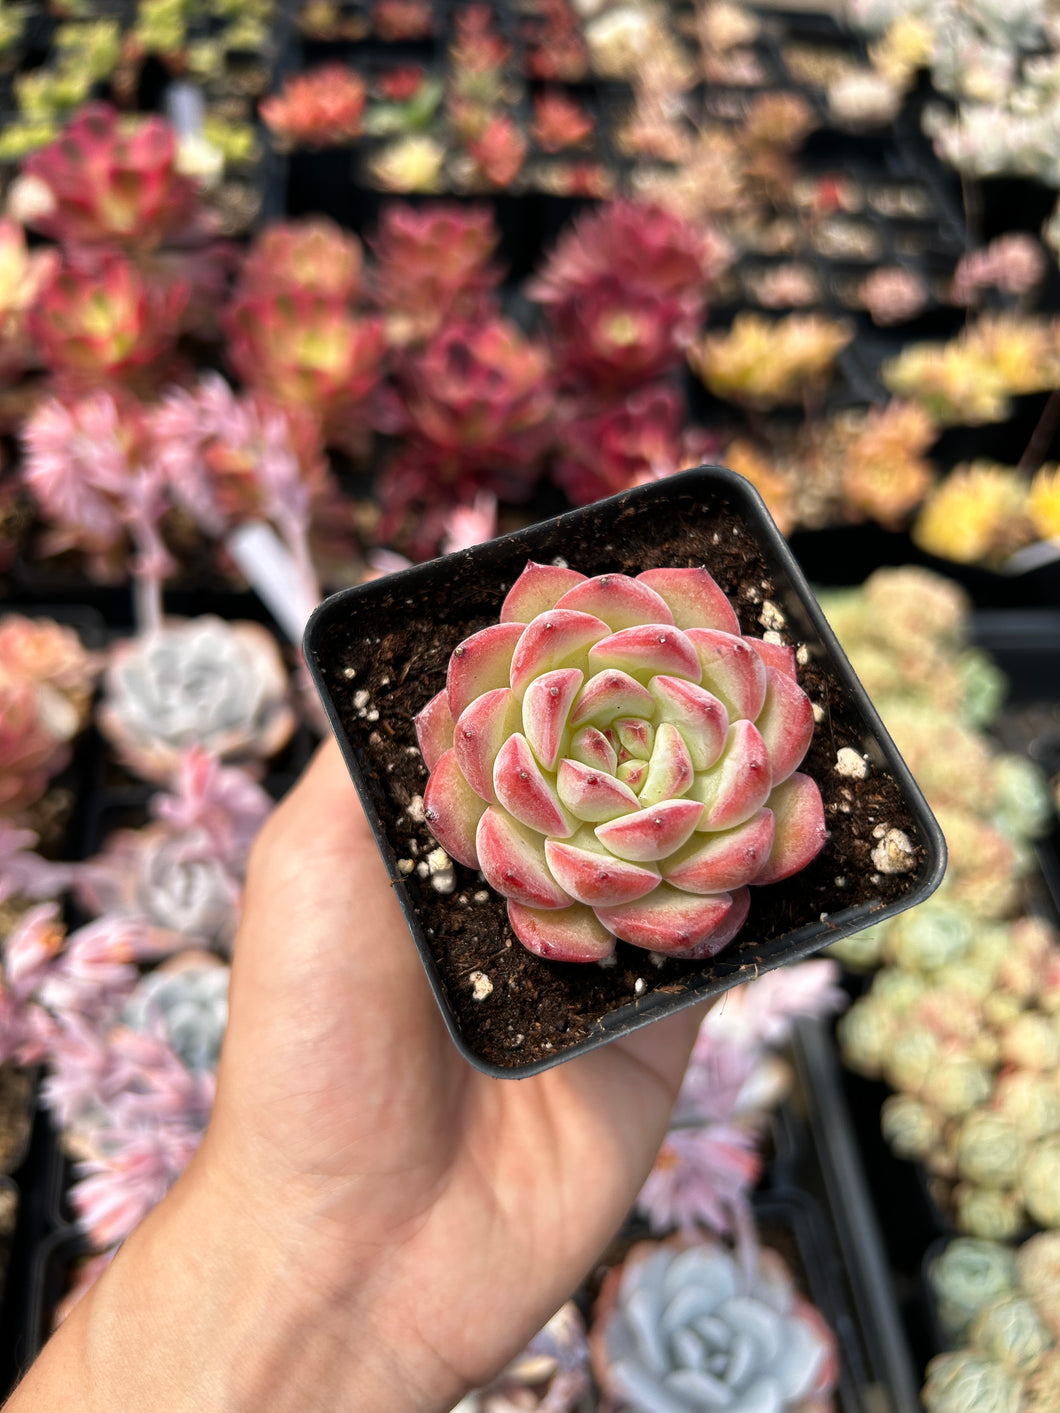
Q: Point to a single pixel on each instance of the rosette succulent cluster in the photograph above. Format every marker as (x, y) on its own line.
(1002, 1306)
(620, 762)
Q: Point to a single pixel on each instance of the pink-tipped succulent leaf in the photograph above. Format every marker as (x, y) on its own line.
(620, 763)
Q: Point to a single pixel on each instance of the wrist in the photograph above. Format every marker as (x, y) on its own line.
(205, 1308)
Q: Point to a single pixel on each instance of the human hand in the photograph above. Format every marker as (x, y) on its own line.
(370, 1223)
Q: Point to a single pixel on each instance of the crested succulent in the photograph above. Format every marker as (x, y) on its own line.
(682, 1327)
(620, 762)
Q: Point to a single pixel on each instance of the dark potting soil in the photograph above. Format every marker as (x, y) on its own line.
(382, 668)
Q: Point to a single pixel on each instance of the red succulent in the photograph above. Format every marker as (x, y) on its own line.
(113, 179)
(615, 336)
(478, 48)
(644, 247)
(94, 324)
(499, 151)
(320, 108)
(399, 85)
(560, 122)
(432, 264)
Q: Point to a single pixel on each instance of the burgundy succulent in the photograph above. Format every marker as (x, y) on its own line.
(433, 264)
(625, 293)
(637, 440)
(616, 336)
(620, 762)
(112, 179)
(642, 246)
(479, 394)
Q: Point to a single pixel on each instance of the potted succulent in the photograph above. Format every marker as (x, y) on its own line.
(381, 653)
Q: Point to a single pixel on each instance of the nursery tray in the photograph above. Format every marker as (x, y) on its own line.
(378, 653)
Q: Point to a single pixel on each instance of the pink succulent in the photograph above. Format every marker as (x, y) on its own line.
(312, 254)
(23, 873)
(113, 1195)
(702, 1177)
(479, 394)
(230, 457)
(642, 247)
(31, 948)
(321, 107)
(1014, 264)
(467, 525)
(620, 762)
(112, 179)
(97, 967)
(306, 351)
(432, 265)
(892, 294)
(100, 323)
(90, 465)
(224, 801)
(204, 681)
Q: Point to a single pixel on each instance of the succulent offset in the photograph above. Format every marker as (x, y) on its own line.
(620, 762)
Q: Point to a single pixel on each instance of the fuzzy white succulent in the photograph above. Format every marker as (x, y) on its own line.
(203, 681)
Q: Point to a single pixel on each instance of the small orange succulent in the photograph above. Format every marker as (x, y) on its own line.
(560, 122)
(321, 108)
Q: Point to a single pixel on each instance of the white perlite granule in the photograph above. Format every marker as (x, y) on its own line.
(850, 764)
(481, 986)
(894, 853)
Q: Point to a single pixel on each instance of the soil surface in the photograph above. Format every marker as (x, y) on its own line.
(383, 657)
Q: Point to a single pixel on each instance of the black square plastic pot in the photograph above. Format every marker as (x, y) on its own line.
(378, 652)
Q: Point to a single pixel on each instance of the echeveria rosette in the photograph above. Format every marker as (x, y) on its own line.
(621, 762)
(681, 1327)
